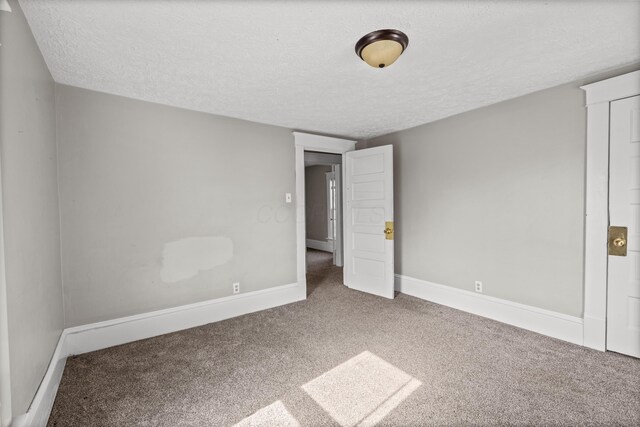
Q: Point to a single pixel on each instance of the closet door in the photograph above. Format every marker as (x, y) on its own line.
(623, 291)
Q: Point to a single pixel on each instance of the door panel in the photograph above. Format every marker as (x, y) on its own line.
(368, 205)
(623, 290)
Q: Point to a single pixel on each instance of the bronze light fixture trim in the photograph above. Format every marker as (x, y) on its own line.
(381, 48)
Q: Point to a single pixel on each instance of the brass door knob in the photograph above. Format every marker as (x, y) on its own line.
(619, 242)
(388, 230)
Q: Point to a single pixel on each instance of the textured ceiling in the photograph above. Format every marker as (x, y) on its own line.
(292, 63)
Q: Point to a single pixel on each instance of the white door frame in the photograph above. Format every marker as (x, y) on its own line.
(338, 226)
(331, 212)
(323, 144)
(5, 379)
(599, 96)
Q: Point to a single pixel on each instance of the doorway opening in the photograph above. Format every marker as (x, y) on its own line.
(323, 207)
(323, 219)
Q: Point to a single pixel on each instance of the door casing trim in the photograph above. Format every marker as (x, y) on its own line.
(599, 96)
(5, 368)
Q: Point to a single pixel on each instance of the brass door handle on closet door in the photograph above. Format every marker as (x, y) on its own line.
(618, 241)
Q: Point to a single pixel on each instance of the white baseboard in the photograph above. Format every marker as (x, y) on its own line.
(38, 413)
(320, 245)
(96, 336)
(546, 322)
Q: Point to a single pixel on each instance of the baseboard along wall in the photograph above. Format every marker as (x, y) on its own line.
(96, 336)
(320, 245)
(545, 322)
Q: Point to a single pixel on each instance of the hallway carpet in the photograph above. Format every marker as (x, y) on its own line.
(347, 358)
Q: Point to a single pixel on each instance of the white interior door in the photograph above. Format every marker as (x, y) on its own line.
(368, 250)
(623, 291)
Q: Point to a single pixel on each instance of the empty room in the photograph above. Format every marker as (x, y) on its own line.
(319, 213)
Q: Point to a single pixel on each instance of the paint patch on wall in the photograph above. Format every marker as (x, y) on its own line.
(186, 258)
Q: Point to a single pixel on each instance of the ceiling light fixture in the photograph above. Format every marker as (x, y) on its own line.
(381, 48)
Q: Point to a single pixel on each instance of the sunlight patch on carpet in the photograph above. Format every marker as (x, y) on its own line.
(361, 391)
(275, 414)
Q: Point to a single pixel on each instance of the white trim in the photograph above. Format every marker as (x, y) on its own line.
(599, 95)
(329, 176)
(595, 332)
(320, 245)
(5, 368)
(96, 336)
(338, 243)
(546, 322)
(614, 88)
(596, 224)
(40, 408)
(301, 225)
(324, 144)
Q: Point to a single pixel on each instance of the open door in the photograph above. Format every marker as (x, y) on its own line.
(368, 221)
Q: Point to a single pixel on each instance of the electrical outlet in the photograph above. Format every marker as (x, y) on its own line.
(236, 288)
(478, 286)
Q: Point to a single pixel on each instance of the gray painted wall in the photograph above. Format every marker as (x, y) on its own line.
(30, 207)
(497, 195)
(162, 206)
(316, 201)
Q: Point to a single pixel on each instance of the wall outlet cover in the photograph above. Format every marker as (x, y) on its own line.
(478, 286)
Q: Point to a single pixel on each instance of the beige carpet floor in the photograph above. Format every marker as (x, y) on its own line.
(347, 358)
